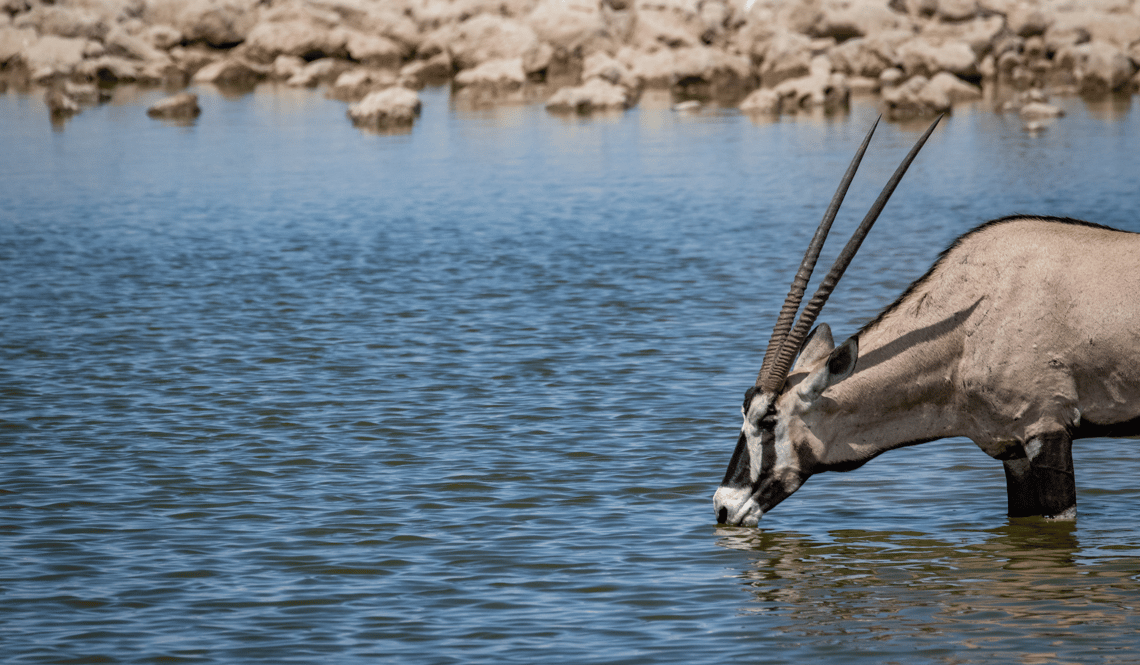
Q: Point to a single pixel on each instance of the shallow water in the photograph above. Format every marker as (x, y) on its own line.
(274, 390)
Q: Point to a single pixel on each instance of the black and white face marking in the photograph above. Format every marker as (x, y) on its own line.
(764, 469)
(735, 501)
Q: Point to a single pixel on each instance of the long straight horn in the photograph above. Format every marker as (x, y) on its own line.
(803, 276)
(774, 380)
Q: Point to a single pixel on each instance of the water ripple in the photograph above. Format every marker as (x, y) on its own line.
(368, 402)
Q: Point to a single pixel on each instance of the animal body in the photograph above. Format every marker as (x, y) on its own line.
(1023, 336)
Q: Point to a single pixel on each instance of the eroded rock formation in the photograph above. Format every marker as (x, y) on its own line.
(768, 56)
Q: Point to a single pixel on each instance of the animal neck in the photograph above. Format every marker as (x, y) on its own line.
(902, 391)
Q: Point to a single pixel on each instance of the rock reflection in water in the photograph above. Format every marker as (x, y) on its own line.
(901, 588)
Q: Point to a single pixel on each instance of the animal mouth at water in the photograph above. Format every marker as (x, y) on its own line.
(737, 507)
(792, 337)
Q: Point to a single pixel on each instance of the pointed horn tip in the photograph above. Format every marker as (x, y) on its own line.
(791, 305)
(790, 346)
(934, 124)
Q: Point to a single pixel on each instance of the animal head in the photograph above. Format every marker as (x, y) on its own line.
(777, 450)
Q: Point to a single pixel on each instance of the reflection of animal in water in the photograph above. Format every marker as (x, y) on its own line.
(990, 589)
(1023, 336)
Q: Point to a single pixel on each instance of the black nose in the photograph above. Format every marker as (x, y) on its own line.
(722, 516)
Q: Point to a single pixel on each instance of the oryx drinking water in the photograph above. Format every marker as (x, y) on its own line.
(1024, 335)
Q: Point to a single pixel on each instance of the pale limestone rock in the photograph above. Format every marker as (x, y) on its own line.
(914, 98)
(653, 69)
(694, 70)
(537, 60)
(231, 72)
(592, 96)
(419, 73)
(717, 19)
(14, 41)
(1097, 67)
(570, 26)
(981, 34)
(218, 23)
(355, 84)
(920, 96)
(64, 21)
(956, 10)
(323, 70)
(787, 55)
(600, 65)
(302, 37)
(705, 71)
(1121, 29)
(944, 84)
(119, 42)
(919, 8)
(116, 69)
(920, 56)
(374, 50)
(861, 57)
(1058, 39)
(190, 59)
(389, 19)
(863, 85)
(385, 109)
(285, 67)
(891, 77)
(52, 56)
(844, 20)
(799, 15)
(431, 14)
(479, 39)
(819, 89)
(1025, 20)
(665, 28)
(177, 107)
(762, 101)
(500, 75)
(1039, 111)
(163, 37)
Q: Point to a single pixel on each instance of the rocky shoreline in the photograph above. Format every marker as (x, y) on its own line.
(578, 56)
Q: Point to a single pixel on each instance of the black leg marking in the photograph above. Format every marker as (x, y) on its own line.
(1019, 489)
(1043, 482)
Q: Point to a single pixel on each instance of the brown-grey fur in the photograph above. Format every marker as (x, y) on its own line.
(1024, 335)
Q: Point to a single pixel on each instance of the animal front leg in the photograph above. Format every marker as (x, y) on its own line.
(1043, 482)
(1020, 488)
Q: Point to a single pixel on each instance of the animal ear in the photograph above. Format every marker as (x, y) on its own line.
(841, 362)
(840, 365)
(817, 346)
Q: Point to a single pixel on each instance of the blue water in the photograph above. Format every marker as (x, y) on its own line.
(275, 390)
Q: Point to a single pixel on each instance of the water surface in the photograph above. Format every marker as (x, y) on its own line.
(274, 390)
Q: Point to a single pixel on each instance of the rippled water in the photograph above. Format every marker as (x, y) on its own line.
(273, 390)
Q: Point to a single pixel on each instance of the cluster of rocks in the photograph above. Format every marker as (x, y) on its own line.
(578, 56)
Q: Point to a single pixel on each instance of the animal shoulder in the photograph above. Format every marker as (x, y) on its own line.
(1046, 244)
(1038, 229)
(995, 250)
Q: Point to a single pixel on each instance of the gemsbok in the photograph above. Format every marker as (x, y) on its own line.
(1023, 335)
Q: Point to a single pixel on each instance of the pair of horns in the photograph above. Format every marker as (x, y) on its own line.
(786, 340)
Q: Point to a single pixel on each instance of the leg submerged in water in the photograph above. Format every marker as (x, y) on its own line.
(1043, 482)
